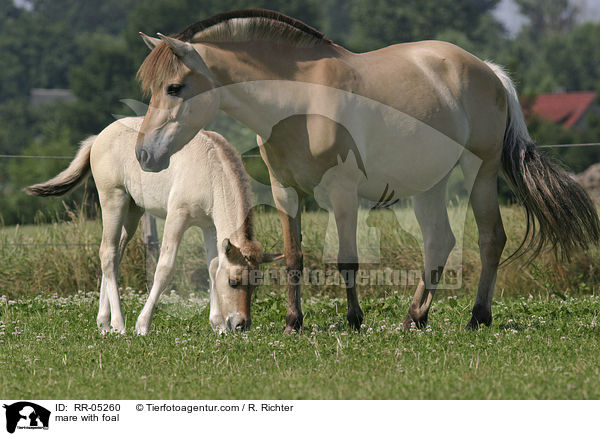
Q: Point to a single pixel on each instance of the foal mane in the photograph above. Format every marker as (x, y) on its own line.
(237, 26)
(233, 167)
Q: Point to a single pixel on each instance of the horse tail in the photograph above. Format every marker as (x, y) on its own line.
(70, 178)
(560, 214)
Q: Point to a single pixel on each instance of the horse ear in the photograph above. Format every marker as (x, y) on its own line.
(150, 42)
(271, 257)
(186, 53)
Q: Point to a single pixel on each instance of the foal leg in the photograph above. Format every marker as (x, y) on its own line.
(175, 225)
(129, 227)
(345, 209)
(484, 201)
(210, 245)
(432, 215)
(115, 205)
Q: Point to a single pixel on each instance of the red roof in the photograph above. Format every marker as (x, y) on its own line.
(566, 108)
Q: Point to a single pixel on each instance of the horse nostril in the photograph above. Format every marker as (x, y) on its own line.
(143, 156)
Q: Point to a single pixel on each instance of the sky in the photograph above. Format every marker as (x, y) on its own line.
(508, 13)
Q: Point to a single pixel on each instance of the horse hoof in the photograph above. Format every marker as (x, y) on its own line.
(141, 328)
(103, 325)
(118, 327)
(407, 323)
(411, 322)
(293, 322)
(474, 324)
(479, 316)
(289, 330)
(355, 319)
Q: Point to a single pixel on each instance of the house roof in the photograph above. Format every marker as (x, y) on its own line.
(566, 108)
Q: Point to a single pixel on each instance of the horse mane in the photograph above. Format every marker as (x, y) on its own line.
(244, 25)
(253, 25)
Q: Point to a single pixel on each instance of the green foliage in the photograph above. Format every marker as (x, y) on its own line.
(383, 22)
(94, 50)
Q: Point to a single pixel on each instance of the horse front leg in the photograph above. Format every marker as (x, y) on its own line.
(287, 201)
(294, 262)
(345, 210)
(175, 225)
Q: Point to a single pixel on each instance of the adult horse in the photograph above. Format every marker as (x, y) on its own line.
(400, 117)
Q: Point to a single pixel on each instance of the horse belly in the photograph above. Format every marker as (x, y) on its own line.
(150, 191)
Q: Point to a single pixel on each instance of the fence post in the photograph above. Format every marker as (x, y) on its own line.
(150, 238)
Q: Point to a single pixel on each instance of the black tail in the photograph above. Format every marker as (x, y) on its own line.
(560, 214)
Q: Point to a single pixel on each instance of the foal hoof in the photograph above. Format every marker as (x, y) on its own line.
(142, 328)
(355, 318)
(119, 330)
(117, 325)
(103, 325)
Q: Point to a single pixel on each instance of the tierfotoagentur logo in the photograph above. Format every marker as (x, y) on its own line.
(24, 415)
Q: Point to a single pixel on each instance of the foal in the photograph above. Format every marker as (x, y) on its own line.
(206, 185)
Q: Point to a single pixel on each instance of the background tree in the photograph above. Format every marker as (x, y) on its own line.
(94, 50)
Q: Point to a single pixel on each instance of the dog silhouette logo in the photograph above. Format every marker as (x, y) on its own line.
(26, 415)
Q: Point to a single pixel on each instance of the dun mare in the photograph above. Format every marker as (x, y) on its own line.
(404, 115)
(205, 186)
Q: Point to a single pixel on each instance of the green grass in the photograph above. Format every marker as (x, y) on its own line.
(63, 258)
(537, 348)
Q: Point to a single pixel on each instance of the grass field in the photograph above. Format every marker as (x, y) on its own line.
(544, 342)
(537, 348)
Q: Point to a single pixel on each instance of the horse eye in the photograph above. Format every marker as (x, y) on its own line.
(174, 89)
(233, 283)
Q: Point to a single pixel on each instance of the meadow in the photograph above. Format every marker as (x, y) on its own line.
(543, 343)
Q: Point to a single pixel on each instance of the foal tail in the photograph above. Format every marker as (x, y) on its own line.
(560, 214)
(70, 178)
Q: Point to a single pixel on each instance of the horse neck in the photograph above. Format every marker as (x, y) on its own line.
(231, 206)
(237, 62)
(240, 66)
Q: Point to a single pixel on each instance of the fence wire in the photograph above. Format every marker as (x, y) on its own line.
(88, 244)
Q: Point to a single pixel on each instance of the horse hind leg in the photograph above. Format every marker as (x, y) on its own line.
(115, 206)
(432, 215)
(130, 224)
(484, 201)
(134, 214)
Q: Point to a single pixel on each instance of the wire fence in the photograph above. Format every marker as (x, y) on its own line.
(153, 241)
(23, 156)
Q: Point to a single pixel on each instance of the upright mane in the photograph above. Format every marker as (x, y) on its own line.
(253, 25)
(245, 25)
(236, 175)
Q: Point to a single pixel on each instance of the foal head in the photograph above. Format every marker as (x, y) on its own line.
(234, 274)
(183, 101)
